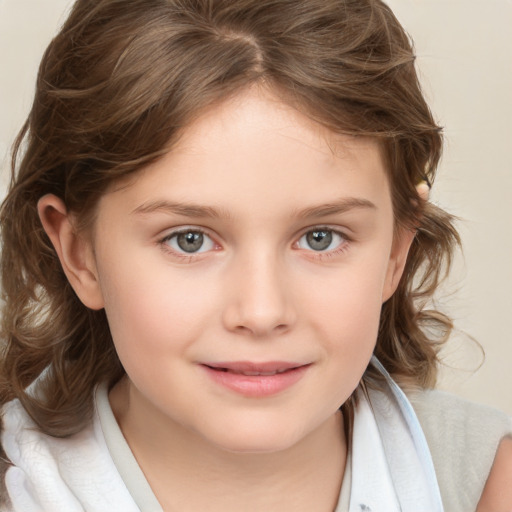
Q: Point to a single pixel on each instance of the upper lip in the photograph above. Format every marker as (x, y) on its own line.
(249, 367)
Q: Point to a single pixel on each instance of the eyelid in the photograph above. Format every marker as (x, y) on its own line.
(342, 247)
(325, 227)
(162, 241)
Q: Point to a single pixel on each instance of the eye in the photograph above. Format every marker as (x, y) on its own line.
(320, 239)
(189, 241)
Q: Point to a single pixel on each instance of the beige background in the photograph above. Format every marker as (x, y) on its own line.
(464, 52)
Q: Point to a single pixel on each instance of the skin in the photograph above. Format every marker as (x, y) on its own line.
(256, 177)
(497, 494)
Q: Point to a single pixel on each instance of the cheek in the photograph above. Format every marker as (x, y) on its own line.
(346, 318)
(349, 301)
(152, 312)
(350, 323)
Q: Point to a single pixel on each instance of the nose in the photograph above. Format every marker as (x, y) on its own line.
(259, 301)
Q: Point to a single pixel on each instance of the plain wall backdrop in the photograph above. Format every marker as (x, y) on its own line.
(464, 50)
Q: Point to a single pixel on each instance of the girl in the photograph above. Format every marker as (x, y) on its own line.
(218, 255)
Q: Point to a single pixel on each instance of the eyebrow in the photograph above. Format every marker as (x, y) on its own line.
(337, 207)
(184, 209)
(198, 211)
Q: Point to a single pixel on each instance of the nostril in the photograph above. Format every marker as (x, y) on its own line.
(258, 315)
(259, 330)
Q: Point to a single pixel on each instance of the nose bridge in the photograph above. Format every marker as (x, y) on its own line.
(260, 302)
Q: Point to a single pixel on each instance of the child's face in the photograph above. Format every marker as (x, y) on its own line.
(253, 247)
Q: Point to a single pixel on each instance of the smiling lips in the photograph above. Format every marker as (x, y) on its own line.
(256, 379)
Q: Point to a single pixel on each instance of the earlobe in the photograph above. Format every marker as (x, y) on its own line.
(397, 261)
(75, 253)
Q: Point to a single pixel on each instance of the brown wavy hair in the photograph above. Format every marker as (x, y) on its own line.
(115, 89)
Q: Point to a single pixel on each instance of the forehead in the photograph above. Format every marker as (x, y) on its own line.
(259, 118)
(254, 148)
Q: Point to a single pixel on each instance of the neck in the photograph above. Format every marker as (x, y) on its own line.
(188, 473)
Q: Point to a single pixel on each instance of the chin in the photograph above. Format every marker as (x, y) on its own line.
(257, 437)
(257, 445)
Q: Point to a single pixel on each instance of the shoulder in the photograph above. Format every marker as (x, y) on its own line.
(459, 419)
(48, 473)
(463, 438)
(33, 478)
(497, 493)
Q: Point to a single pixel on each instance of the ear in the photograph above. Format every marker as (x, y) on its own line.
(398, 258)
(400, 250)
(75, 253)
(423, 190)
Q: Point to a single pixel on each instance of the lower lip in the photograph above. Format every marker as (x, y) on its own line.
(257, 386)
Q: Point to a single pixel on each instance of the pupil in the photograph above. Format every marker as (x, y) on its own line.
(319, 240)
(190, 241)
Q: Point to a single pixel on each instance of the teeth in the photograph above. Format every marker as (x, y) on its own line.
(256, 374)
(251, 374)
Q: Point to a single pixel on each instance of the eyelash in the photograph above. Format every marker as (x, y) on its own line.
(317, 255)
(186, 258)
(325, 255)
